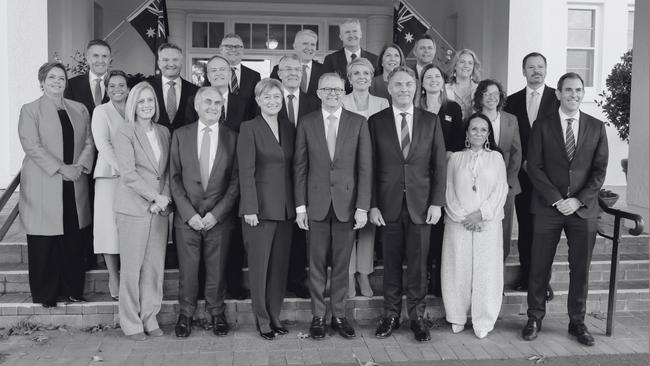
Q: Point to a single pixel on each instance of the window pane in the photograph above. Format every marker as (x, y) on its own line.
(292, 29)
(630, 29)
(276, 33)
(580, 18)
(581, 62)
(244, 31)
(198, 71)
(335, 41)
(314, 28)
(199, 34)
(259, 36)
(580, 38)
(215, 34)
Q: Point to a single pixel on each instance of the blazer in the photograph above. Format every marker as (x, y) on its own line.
(265, 170)
(105, 122)
(510, 145)
(375, 104)
(41, 188)
(142, 178)
(78, 89)
(343, 183)
(516, 104)
(317, 69)
(222, 192)
(379, 88)
(421, 177)
(555, 177)
(187, 93)
(450, 117)
(336, 62)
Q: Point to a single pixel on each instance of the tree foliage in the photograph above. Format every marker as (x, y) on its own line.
(615, 99)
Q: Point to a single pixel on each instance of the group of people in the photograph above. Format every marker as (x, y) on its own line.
(312, 166)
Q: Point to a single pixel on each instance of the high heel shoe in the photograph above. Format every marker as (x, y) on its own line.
(268, 335)
(279, 329)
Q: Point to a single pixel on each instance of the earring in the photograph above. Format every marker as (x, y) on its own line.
(487, 144)
(466, 142)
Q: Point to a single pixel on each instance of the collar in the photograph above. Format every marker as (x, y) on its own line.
(94, 76)
(336, 113)
(287, 92)
(563, 116)
(212, 128)
(397, 112)
(348, 54)
(308, 64)
(540, 90)
(166, 80)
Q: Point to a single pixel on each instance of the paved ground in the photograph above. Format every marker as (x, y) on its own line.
(244, 347)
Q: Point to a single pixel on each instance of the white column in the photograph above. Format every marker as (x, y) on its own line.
(69, 27)
(23, 49)
(177, 27)
(379, 31)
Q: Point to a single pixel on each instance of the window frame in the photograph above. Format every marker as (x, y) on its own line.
(595, 48)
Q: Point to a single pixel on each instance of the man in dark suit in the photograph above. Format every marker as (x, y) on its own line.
(350, 35)
(425, 52)
(410, 175)
(567, 164)
(205, 189)
(305, 46)
(535, 100)
(242, 79)
(172, 91)
(333, 176)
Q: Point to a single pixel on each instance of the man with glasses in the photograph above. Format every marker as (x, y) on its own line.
(332, 178)
(305, 46)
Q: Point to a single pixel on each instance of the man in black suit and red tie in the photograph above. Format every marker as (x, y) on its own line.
(90, 88)
(409, 191)
(567, 164)
(535, 100)
(350, 34)
(305, 46)
(242, 79)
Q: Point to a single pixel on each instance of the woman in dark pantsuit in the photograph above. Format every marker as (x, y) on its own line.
(265, 152)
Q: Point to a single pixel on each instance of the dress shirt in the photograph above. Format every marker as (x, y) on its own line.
(540, 92)
(348, 54)
(238, 74)
(418, 70)
(214, 140)
(91, 78)
(225, 103)
(165, 84)
(496, 128)
(307, 70)
(296, 102)
(153, 141)
(398, 122)
(575, 125)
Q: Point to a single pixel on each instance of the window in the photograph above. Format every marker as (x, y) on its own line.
(335, 42)
(630, 29)
(207, 34)
(581, 44)
(261, 36)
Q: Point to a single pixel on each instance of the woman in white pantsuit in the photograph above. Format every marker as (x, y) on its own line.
(472, 251)
(142, 206)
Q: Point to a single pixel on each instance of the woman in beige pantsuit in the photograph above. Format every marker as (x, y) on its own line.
(141, 206)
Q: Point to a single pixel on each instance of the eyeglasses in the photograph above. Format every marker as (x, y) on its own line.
(332, 90)
(495, 95)
(290, 69)
(232, 46)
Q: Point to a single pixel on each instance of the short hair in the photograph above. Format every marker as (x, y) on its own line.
(532, 54)
(232, 35)
(267, 84)
(132, 102)
(380, 67)
(198, 97)
(98, 42)
(405, 69)
(288, 56)
(174, 46)
(569, 75)
(47, 67)
(361, 61)
(490, 138)
(482, 88)
(114, 73)
(425, 37)
(330, 75)
(476, 73)
(423, 93)
(219, 57)
(305, 32)
(349, 21)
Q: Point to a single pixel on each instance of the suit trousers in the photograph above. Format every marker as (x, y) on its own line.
(508, 213)
(213, 246)
(435, 253)
(236, 260)
(329, 238)
(142, 258)
(267, 245)
(581, 237)
(525, 224)
(402, 238)
(298, 257)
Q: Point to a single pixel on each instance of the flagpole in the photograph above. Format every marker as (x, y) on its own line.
(137, 10)
(416, 14)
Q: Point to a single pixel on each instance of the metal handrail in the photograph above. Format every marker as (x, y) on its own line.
(615, 238)
(3, 201)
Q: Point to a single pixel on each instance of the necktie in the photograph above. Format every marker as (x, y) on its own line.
(222, 117)
(172, 108)
(304, 82)
(570, 139)
(204, 158)
(290, 111)
(353, 56)
(533, 106)
(97, 94)
(405, 138)
(331, 135)
(234, 85)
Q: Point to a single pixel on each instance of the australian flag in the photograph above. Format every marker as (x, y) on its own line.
(407, 26)
(150, 21)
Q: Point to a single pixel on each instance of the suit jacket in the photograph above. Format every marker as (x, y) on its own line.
(142, 178)
(375, 104)
(516, 104)
(189, 196)
(306, 105)
(336, 62)
(343, 183)
(41, 200)
(238, 110)
(555, 177)
(187, 93)
(265, 170)
(421, 177)
(510, 145)
(317, 69)
(78, 89)
(105, 122)
(453, 128)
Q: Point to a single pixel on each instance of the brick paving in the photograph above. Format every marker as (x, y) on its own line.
(73, 346)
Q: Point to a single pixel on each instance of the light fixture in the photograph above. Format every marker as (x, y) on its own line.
(272, 43)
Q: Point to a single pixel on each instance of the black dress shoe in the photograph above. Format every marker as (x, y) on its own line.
(49, 304)
(183, 326)
(581, 333)
(300, 290)
(75, 299)
(521, 287)
(344, 328)
(220, 326)
(278, 329)
(420, 330)
(386, 327)
(239, 293)
(531, 329)
(317, 328)
(549, 293)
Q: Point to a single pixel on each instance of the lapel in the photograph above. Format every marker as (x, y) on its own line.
(548, 101)
(87, 91)
(556, 129)
(141, 136)
(416, 133)
(190, 146)
(164, 147)
(320, 130)
(342, 133)
(392, 132)
(506, 130)
(284, 129)
(582, 130)
(313, 77)
(261, 124)
(219, 152)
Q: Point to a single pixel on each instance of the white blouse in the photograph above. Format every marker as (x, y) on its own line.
(153, 141)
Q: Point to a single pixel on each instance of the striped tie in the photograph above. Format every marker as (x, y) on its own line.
(234, 85)
(570, 139)
(405, 138)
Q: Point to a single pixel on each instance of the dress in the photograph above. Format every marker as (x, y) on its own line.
(472, 262)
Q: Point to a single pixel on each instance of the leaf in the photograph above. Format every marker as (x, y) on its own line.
(359, 363)
(537, 358)
(97, 359)
(40, 339)
(302, 335)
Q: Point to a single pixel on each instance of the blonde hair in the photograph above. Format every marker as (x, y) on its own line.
(132, 102)
(476, 71)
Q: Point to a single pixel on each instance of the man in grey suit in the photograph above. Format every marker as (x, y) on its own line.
(205, 188)
(333, 172)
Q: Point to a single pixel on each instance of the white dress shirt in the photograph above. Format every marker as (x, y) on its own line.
(326, 121)
(91, 78)
(540, 92)
(574, 126)
(225, 103)
(398, 122)
(214, 140)
(177, 86)
(296, 102)
(496, 127)
(348, 54)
